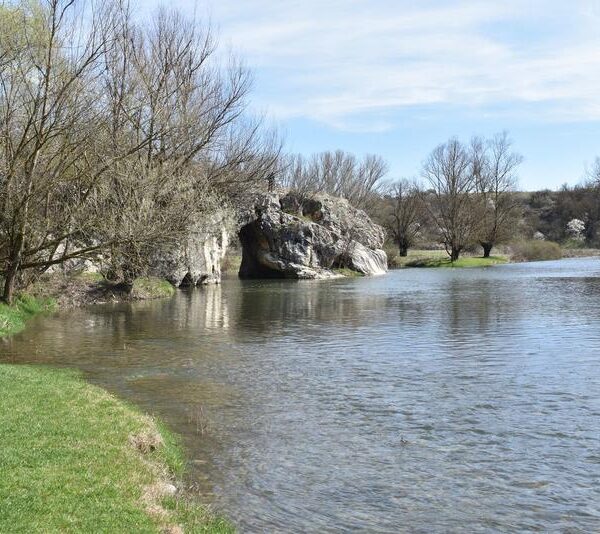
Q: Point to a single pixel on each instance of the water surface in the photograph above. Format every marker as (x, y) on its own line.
(423, 401)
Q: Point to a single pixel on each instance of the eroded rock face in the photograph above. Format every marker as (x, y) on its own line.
(286, 238)
(198, 260)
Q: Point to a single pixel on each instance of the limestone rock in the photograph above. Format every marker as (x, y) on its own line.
(198, 260)
(286, 237)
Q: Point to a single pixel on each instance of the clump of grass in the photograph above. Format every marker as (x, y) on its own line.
(14, 317)
(535, 250)
(149, 287)
(348, 273)
(89, 276)
(414, 258)
(76, 459)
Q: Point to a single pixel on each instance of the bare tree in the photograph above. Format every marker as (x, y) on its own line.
(337, 173)
(594, 173)
(166, 93)
(46, 125)
(403, 213)
(494, 166)
(115, 136)
(592, 213)
(449, 200)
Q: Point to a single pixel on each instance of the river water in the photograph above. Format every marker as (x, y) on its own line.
(427, 400)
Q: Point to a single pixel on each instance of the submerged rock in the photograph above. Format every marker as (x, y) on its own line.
(289, 237)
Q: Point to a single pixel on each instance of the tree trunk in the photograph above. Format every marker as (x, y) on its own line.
(403, 251)
(454, 254)
(129, 276)
(10, 279)
(10, 276)
(487, 248)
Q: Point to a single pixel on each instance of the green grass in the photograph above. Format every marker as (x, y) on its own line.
(74, 458)
(439, 258)
(348, 273)
(13, 318)
(414, 256)
(465, 261)
(149, 287)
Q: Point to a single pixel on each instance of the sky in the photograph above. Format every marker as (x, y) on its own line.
(398, 77)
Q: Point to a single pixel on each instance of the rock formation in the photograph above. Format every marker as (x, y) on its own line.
(282, 236)
(198, 260)
(291, 237)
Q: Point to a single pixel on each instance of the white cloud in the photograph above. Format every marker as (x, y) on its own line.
(354, 63)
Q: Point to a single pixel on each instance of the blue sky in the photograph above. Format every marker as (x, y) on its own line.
(398, 77)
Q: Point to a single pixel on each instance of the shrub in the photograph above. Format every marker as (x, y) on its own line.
(535, 250)
(393, 256)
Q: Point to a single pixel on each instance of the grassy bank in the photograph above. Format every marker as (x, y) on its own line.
(439, 258)
(580, 252)
(81, 289)
(76, 459)
(520, 251)
(73, 458)
(13, 318)
(150, 287)
(465, 261)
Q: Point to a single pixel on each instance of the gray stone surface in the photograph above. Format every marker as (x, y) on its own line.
(288, 237)
(198, 260)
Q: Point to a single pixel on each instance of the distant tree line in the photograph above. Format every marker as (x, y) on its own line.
(465, 197)
(570, 215)
(337, 173)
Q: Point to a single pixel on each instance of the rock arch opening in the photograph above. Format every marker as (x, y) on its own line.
(255, 254)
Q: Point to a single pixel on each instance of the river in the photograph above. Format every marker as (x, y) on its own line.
(427, 400)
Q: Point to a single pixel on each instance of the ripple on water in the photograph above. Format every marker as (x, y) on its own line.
(423, 401)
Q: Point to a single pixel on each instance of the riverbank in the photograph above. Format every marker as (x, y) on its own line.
(439, 258)
(13, 318)
(76, 459)
(516, 253)
(68, 291)
(82, 289)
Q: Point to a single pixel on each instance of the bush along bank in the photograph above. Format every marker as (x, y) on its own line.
(76, 459)
(535, 250)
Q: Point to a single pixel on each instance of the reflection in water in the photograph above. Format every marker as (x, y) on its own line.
(424, 400)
